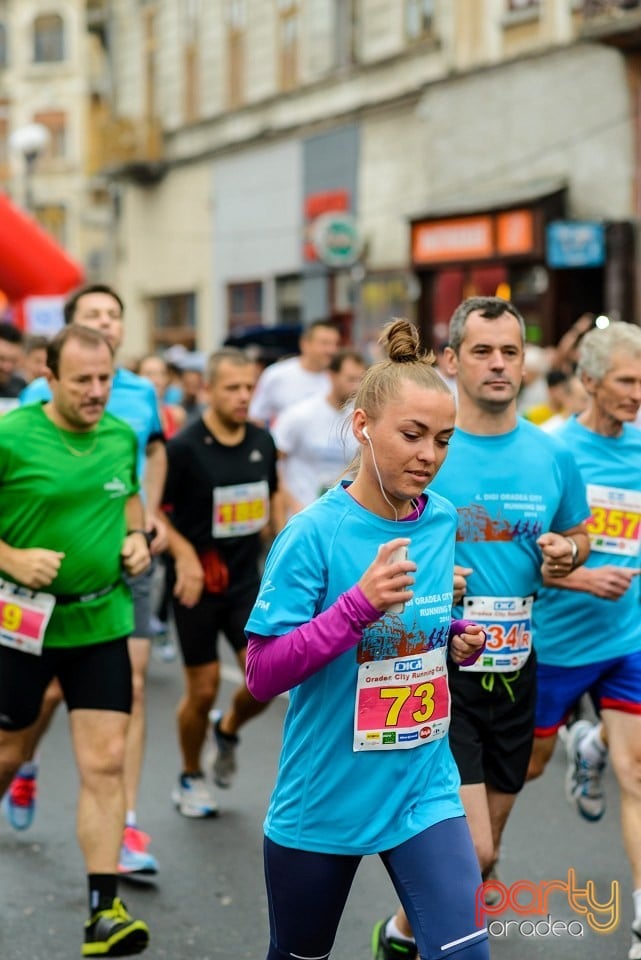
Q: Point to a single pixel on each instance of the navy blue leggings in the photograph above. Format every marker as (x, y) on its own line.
(436, 876)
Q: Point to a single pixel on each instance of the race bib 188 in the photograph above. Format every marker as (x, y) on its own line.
(240, 509)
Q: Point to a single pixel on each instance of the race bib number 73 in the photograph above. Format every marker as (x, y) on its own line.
(402, 702)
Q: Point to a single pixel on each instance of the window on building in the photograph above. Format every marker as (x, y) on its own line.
(173, 320)
(56, 123)
(289, 301)
(522, 4)
(345, 32)
(419, 18)
(236, 27)
(52, 217)
(48, 38)
(4, 50)
(288, 29)
(191, 60)
(244, 306)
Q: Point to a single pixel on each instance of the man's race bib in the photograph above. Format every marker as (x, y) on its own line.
(507, 622)
(402, 702)
(615, 520)
(24, 616)
(240, 509)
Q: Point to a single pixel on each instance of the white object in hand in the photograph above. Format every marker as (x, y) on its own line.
(399, 554)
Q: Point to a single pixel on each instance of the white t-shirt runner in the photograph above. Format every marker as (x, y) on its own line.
(318, 444)
(283, 384)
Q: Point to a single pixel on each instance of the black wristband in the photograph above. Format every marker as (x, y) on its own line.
(147, 534)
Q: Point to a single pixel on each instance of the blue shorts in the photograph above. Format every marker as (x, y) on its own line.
(613, 685)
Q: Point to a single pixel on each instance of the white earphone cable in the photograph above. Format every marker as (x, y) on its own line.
(378, 476)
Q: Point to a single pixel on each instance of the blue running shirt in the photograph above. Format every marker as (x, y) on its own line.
(328, 797)
(509, 489)
(573, 628)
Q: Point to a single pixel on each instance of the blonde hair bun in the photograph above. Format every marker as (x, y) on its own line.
(401, 342)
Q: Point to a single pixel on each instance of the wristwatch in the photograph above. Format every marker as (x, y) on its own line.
(149, 534)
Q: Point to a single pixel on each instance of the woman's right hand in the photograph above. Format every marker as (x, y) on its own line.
(385, 583)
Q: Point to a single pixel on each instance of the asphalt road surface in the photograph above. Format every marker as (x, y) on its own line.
(209, 901)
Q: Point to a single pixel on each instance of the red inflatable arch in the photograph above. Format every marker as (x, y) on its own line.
(31, 263)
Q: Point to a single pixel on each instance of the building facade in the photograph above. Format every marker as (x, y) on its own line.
(266, 162)
(51, 70)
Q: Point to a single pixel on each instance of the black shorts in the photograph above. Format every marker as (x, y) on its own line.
(94, 677)
(198, 626)
(490, 734)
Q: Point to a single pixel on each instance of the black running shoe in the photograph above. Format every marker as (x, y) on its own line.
(113, 933)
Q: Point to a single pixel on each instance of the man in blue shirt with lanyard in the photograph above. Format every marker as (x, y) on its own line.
(521, 505)
(133, 399)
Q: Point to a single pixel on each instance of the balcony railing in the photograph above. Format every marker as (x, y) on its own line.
(121, 143)
(616, 22)
(605, 8)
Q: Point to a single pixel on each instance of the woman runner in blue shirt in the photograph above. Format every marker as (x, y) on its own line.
(354, 617)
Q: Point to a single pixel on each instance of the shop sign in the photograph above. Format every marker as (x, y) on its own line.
(336, 239)
(460, 238)
(515, 232)
(574, 243)
(479, 237)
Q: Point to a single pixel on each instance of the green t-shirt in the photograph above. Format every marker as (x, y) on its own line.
(67, 491)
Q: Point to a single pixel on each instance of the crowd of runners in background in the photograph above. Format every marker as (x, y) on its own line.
(196, 473)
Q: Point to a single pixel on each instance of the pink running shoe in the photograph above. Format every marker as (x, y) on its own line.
(134, 858)
(19, 803)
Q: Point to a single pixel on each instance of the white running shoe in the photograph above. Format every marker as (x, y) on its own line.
(193, 797)
(584, 778)
(634, 952)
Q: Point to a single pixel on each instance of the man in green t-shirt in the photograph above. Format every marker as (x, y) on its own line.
(71, 522)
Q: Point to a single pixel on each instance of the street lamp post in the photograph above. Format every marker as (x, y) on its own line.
(29, 141)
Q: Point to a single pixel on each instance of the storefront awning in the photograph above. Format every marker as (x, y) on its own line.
(31, 263)
(500, 198)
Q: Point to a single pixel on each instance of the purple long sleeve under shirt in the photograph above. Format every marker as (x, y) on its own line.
(276, 664)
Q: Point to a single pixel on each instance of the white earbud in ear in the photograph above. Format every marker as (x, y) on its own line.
(366, 434)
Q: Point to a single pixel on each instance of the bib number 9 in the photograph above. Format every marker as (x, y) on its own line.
(10, 616)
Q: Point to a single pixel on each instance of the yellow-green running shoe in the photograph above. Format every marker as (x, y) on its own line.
(113, 933)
